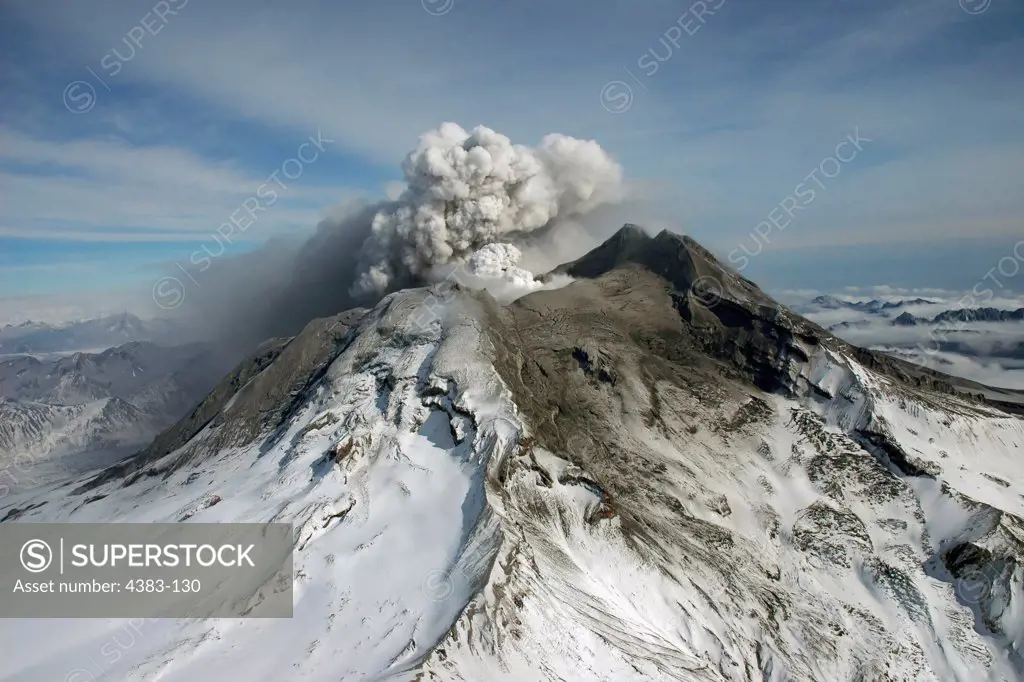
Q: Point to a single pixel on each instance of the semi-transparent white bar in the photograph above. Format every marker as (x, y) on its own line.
(145, 570)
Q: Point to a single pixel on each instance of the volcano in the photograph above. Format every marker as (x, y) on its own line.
(655, 472)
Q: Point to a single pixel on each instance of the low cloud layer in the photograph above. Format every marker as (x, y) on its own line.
(988, 352)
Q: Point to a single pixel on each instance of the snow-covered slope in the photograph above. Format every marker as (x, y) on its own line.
(36, 432)
(623, 479)
(381, 471)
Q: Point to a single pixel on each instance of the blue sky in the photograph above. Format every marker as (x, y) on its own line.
(112, 163)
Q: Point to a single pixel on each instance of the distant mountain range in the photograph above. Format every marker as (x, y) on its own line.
(102, 332)
(966, 332)
(908, 319)
(85, 408)
(963, 315)
(872, 306)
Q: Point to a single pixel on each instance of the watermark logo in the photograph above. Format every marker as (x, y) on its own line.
(437, 8)
(708, 291)
(146, 570)
(168, 292)
(36, 556)
(617, 95)
(431, 309)
(18, 472)
(110, 653)
(80, 95)
(438, 585)
(802, 196)
(974, 586)
(981, 294)
(975, 6)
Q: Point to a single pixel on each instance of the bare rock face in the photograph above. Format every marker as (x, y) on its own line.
(724, 315)
(830, 534)
(730, 318)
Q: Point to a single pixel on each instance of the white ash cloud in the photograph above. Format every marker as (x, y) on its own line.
(495, 268)
(465, 190)
(500, 261)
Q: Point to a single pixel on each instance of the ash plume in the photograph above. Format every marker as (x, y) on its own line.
(498, 261)
(469, 189)
(462, 191)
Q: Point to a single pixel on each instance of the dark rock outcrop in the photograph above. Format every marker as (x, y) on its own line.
(905, 320)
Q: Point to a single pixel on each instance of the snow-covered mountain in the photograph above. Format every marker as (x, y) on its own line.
(653, 473)
(89, 334)
(963, 315)
(78, 411)
(874, 306)
(43, 441)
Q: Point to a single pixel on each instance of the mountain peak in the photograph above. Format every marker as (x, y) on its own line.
(730, 318)
(622, 247)
(679, 259)
(905, 319)
(723, 315)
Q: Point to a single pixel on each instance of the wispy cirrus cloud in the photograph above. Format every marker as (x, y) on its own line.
(105, 189)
